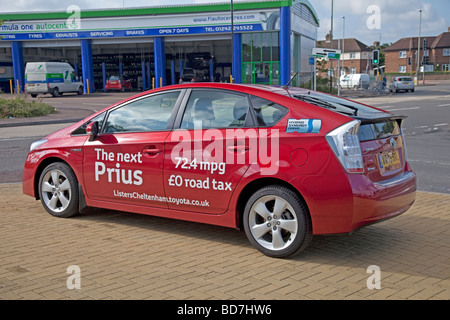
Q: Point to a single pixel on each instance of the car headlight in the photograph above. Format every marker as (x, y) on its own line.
(36, 144)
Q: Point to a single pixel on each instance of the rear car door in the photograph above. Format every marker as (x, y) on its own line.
(212, 148)
(124, 163)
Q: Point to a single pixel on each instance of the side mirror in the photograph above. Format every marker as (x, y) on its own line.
(92, 130)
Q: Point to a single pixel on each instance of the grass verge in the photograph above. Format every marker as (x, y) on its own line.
(18, 107)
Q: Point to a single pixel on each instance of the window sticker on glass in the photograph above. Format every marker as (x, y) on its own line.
(304, 125)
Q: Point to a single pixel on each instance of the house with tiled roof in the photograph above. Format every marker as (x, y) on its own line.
(401, 56)
(355, 57)
(440, 51)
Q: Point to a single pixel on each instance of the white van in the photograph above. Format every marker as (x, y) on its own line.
(51, 77)
(355, 81)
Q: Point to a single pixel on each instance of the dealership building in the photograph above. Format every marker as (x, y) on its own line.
(264, 42)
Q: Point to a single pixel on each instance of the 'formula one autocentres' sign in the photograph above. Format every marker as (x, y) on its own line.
(164, 25)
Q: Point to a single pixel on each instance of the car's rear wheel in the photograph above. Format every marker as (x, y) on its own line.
(55, 92)
(277, 222)
(58, 190)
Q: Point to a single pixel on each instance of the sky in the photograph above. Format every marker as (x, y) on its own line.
(366, 20)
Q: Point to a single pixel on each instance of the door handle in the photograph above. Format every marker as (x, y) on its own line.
(151, 152)
(238, 148)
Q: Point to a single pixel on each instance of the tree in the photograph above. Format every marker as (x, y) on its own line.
(321, 65)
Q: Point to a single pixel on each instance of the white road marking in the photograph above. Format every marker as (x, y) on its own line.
(431, 162)
(444, 105)
(400, 109)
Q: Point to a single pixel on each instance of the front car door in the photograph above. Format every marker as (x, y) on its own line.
(124, 163)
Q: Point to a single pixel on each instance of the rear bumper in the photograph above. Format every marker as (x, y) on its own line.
(346, 202)
(382, 201)
(38, 89)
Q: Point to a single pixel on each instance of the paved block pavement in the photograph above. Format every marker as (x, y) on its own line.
(129, 256)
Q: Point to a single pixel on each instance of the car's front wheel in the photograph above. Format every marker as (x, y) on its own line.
(277, 222)
(58, 190)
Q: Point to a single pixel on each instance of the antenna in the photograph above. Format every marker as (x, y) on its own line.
(288, 84)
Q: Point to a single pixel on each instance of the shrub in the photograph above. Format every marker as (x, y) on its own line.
(18, 107)
(322, 85)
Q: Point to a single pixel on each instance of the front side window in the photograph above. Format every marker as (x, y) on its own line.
(215, 109)
(143, 115)
(82, 129)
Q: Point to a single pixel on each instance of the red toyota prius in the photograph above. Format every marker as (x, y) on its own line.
(282, 163)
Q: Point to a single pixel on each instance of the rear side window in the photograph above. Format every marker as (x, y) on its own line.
(268, 113)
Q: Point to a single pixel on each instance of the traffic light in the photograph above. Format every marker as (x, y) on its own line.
(375, 56)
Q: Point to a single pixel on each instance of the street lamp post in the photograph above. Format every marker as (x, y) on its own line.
(232, 42)
(343, 43)
(418, 47)
(331, 47)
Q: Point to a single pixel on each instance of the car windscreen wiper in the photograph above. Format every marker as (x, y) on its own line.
(326, 104)
(314, 100)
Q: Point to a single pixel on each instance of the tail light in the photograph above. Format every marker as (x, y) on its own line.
(345, 144)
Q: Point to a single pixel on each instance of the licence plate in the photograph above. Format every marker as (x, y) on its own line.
(389, 160)
(405, 82)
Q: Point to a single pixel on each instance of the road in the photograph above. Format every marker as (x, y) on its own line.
(427, 131)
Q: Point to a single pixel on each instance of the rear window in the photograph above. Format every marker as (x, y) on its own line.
(338, 104)
(378, 130)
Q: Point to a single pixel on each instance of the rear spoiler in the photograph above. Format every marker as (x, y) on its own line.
(377, 117)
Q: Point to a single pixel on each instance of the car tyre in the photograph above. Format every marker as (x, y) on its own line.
(34, 95)
(58, 190)
(277, 222)
(55, 92)
(80, 90)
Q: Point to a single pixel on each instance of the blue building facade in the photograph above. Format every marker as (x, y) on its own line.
(270, 41)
